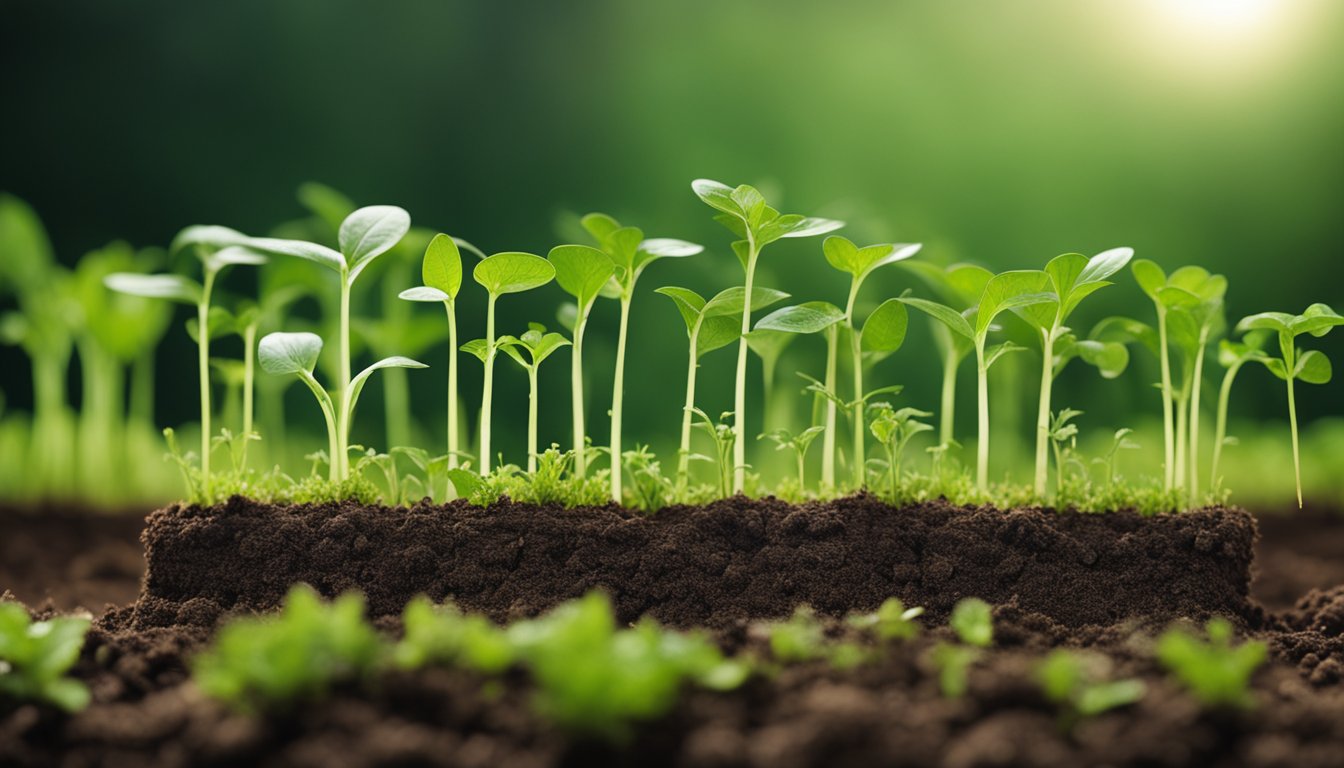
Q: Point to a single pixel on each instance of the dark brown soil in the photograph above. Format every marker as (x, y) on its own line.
(74, 557)
(890, 713)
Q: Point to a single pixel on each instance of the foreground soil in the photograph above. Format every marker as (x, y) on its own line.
(888, 713)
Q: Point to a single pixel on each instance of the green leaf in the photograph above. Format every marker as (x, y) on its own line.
(768, 345)
(1126, 330)
(424, 293)
(1317, 320)
(996, 351)
(513, 272)
(949, 317)
(689, 304)
(718, 196)
(219, 321)
(1313, 367)
(465, 482)
(396, 361)
(478, 348)
(302, 249)
(1149, 276)
(1064, 272)
(842, 254)
(971, 619)
(442, 267)
(283, 353)
(1011, 290)
(1251, 346)
(730, 301)
(370, 232)
(171, 287)
(208, 237)
(232, 255)
(667, 247)
(599, 225)
(25, 251)
(1105, 264)
(1278, 322)
(809, 317)
(1110, 358)
(884, 330)
(581, 271)
(717, 332)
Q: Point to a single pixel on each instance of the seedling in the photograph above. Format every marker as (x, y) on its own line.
(500, 274)
(1063, 442)
(296, 354)
(631, 254)
(1217, 673)
(539, 345)
(892, 621)
(800, 639)
(1295, 363)
(799, 443)
(364, 235)
(1078, 684)
(744, 212)
(1119, 442)
(1232, 355)
(441, 272)
(582, 272)
(1072, 278)
(1006, 291)
(971, 620)
(443, 635)
(710, 325)
(724, 436)
(894, 429)
(217, 248)
(36, 655)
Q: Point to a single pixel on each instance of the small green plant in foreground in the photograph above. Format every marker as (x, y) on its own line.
(35, 655)
(973, 623)
(442, 634)
(539, 345)
(1078, 684)
(1216, 672)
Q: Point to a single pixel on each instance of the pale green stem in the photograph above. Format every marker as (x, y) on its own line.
(740, 383)
(576, 397)
(396, 406)
(452, 384)
(828, 436)
(1292, 423)
(142, 390)
(982, 403)
(343, 387)
(1168, 437)
(328, 415)
(203, 369)
(949, 399)
(488, 384)
(532, 394)
(802, 471)
(617, 401)
(1220, 423)
(52, 461)
(856, 352)
(249, 382)
(1194, 424)
(1043, 412)
(1182, 433)
(684, 455)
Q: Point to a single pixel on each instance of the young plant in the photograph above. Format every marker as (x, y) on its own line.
(973, 624)
(882, 333)
(539, 345)
(1003, 292)
(631, 254)
(364, 235)
(270, 663)
(217, 248)
(894, 429)
(35, 656)
(583, 273)
(799, 443)
(1063, 434)
(800, 639)
(1295, 363)
(1077, 683)
(1119, 442)
(891, 621)
(1072, 278)
(442, 634)
(501, 274)
(724, 436)
(1232, 355)
(296, 354)
(744, 212)
(1216, 672)
(441, 273)
(710, 325)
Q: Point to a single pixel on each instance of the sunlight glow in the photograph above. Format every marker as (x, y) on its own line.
(1227, 15)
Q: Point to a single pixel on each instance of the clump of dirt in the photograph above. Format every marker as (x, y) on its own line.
(712, 566)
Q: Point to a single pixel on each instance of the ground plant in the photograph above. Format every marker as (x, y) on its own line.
(36, 655)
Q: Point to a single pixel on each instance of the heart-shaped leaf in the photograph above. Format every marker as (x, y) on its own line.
(170, 287)
(809, 317)
(442, 267)
(1149, 276)
(283, 353)
(370, 232)
(581, 271)
(884, 330)
(1313, 367)
(513, 272)
(1317, 320)
(1110, 358)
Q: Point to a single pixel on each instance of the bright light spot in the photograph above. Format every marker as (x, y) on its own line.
(1222, 14)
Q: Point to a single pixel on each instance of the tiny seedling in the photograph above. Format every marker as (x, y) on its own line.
(443, 635)
(441, 272)
(1232, 355)
(1077, 683)
(744, 212)
(1063, 443)
(1119, 442)
(892, 621)
(539, 345)
(1295, 363)
(1215, 672)
(724, 436)
(583, 273)
(973, 624)
(631, 254)
(36, 655)
(798, 640)
(894, 429)
(500, 274)
(799, 443)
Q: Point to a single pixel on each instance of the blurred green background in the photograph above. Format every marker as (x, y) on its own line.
(1196, 131)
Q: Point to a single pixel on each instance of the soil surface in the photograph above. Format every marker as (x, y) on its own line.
(75, 557)
(886, 713)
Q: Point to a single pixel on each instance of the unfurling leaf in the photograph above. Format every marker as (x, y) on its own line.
(283, 353)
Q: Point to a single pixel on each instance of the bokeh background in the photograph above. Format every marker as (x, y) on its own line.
(1196, 131)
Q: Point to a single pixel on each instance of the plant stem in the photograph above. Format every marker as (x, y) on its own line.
(1292, 423)
(1168, 438)
(328, 414)
(488, 384)
(740, 383)
(856, 352)
(828, 437)
(1194, 420)
(802, 471)
(396, 406)
(249, 380)
(203, 369)
(532, 420)
(1043, 412)
(1220, 423)
(617, 401)
(1182, 433)
(142, 390)
(52, 460)
(576, 397)
(684, 454)
(982, 407)
(343, 387)
(949, 399)
(452, 384)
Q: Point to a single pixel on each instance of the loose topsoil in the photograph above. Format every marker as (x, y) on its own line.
(888, 713)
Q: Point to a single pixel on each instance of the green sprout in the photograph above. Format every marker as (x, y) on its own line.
(1232, 355)
(441, 273)
(724, 436)
(539, 345)
(972, 622)
(1072, 278)
(710, 325)
(297, 353)
(442, 634)
(744, 212)
(1077, 682)
(36, 655)
(891, 621)
(1216, 672)
(1295, 363)
(500, 274)
(583, 273)
(1063, 437)
(799, 443)
(631, 254)
(1005, 291)
(894, 429)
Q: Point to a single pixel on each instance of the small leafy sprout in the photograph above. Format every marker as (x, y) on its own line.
(710, 325)
(807, 318)
(892, 621)
(744, 212)
(650, 489)
(1006, 291)
(442, 634)
(539, 345)
(894, 429)
(797, 640)
(1295, 363)
(434, 468)
(1072, 278)
(271, 663)
(35, 656)
(1217, 673)
(296, 353)
(500, 274)
(1063, 442)
(441, 272)
(799, 443)
(1078, 684)
(217, 248)
(972, 622)
(364, 235)
(1232, 355)
(884, 330)
(724, 436)
(583, 273)
(1119, 442)
(631, 254)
